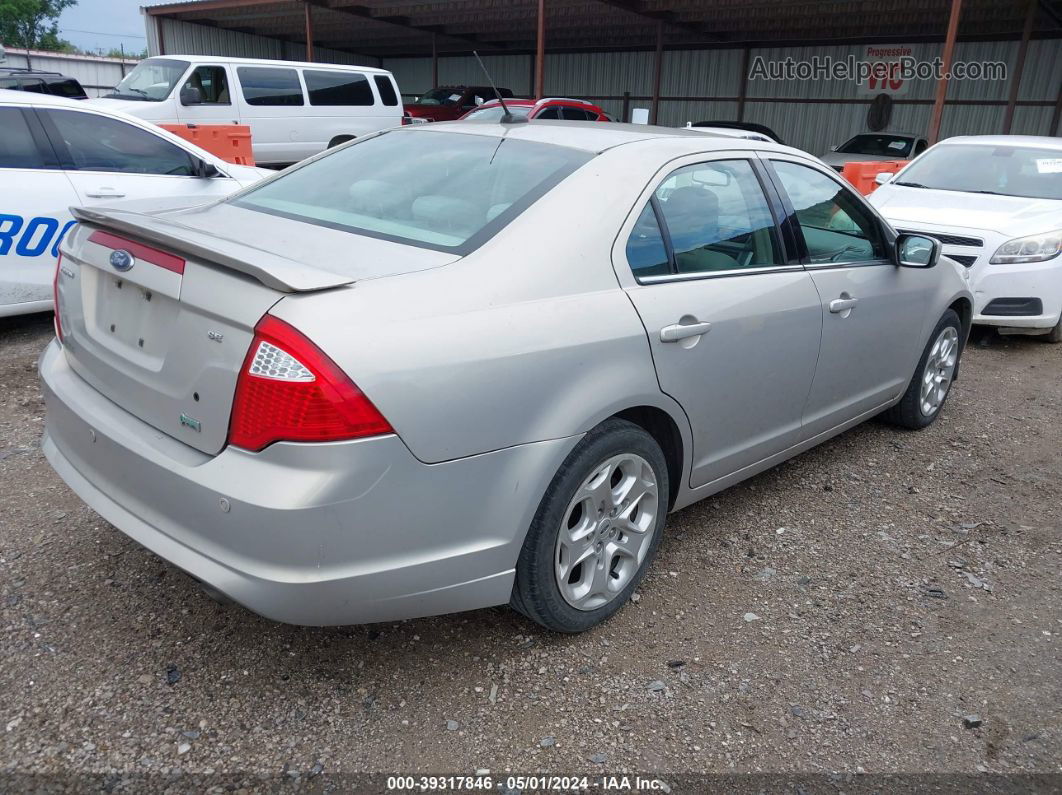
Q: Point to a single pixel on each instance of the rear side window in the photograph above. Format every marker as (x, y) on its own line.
(337, 88)
(66, 88)
(718, 218)
(388, 95)
(100, 143)
(446, 191)
(17, 147)
(646, 252)
(270, 86)
(34, 85)
(577, 114)
(549, 113)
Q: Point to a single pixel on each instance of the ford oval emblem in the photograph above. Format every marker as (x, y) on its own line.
(122, 260)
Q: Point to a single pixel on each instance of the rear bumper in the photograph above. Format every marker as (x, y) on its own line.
(337, 533)
(1039, 280)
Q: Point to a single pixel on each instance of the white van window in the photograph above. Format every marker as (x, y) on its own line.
(337, 88)
(211, 84)
(263, 85)
(388, 95)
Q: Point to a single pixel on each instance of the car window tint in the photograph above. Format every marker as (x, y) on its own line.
(718, 218)
(836, 225)
(388, 95)
(270, 86)
(575, 114)
(646, 252)
(34, 85)
(66, 88)
(338, 88)
(17, 147)
(100, 143)
(549, 113)
(211, 83)
(920, 147)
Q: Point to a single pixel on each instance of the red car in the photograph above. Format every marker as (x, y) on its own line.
(551, 108)
(448, 103)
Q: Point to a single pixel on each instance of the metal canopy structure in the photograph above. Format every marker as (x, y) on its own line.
(392, 28)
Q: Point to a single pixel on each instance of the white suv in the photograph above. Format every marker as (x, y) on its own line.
(56, 153)
(995, 203)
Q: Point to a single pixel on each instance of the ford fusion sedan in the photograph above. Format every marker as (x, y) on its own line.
(995, 202)
(459, 365)
(57, 152)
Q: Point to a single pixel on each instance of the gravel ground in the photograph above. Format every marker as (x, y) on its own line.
(846, 611)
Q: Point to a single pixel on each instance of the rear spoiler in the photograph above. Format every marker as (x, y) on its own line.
(270, 268)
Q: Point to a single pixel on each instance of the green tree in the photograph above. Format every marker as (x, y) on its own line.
(33, 24)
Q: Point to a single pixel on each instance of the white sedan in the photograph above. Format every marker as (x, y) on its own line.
(56, 153)
(995, 202)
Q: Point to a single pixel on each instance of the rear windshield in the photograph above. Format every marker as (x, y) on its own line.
(1006, 170)
(445, 191)
(880, 145)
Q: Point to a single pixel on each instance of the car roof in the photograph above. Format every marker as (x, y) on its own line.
(265, 62)
(1036, 141)
(13, 97)
(592, 136)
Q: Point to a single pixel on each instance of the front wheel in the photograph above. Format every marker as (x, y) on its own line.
(596, 530)
(1054, 336)
(931, 384)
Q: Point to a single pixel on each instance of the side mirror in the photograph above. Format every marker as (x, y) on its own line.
(191, 96)
(917, 251)
(882, 177)
(205, 170)
(833, 147)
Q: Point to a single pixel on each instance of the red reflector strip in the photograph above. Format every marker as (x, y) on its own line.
(163, 259)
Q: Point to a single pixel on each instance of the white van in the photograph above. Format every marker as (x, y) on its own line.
(294, 109)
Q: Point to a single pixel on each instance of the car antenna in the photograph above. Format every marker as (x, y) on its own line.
(507, 117)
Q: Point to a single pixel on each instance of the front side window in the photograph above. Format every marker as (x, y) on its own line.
(264, 85)
(211, 83)
(836, 226)
(338, 88)
(100, 143)
(715, 218)
(980, 168)
(17, 147)
(151, 80)
(386, 89)
(446, 191)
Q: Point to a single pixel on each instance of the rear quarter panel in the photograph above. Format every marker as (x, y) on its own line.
(526, 339)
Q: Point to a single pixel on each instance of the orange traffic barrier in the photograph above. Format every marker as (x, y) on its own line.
(230, 142)
(861, 175)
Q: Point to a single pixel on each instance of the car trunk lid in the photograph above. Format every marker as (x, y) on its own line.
(158, 314)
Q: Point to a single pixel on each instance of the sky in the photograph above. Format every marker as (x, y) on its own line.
(103, 24)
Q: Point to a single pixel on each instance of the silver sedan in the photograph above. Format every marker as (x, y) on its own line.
(460, 365)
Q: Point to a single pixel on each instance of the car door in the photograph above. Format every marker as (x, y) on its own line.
(108, 159)
(272, 103)
(213, 85)
(873, 312)
(34, 212)
(733, 322)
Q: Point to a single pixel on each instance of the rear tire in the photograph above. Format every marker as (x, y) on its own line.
(931, 384)
(596, 530)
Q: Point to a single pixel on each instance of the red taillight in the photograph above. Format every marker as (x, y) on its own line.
(55, 299)
(289, 390)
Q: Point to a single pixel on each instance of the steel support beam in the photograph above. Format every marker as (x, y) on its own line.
(1019, 65)
(942, 85)
(309, 31)
(658, 69)
(540, 51)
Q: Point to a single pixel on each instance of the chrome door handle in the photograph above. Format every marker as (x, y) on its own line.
(838, 305)
(680, 332)
(105, 193)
